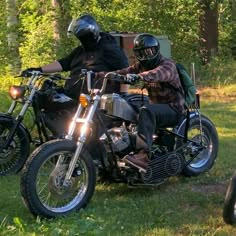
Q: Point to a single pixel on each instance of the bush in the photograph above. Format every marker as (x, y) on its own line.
(221, 71)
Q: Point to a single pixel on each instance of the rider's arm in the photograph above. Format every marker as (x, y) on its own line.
(63, 64)
(165, 72)
(52, 67)
(129, 70)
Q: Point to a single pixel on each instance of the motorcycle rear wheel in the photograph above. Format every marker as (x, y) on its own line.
(42, 180)
(206, 158)
(14, 157)
(229, 209)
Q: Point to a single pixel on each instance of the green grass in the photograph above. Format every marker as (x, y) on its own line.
(181, 206)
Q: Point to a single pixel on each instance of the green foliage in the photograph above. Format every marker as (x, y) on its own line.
(178, 19)
(219, 72)
(38, 45)
(3, 38)
(37, 33)
(227, 26)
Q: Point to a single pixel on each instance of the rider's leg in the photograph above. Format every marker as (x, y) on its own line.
(151, 117)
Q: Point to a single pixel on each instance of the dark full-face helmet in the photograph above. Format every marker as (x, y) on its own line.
(86, 29)
(147, 50)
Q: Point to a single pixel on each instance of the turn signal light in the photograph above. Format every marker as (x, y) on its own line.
(84, 100)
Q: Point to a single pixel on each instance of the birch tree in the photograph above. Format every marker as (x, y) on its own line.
(12, 36)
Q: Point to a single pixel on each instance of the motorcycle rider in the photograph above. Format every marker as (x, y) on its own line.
(98, 51)
(162, 82)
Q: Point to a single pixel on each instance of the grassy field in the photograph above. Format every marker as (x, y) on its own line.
(181, 206)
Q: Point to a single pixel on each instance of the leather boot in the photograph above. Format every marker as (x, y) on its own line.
(139, 160)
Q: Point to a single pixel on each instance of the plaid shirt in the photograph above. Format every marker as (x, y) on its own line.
(162, 83)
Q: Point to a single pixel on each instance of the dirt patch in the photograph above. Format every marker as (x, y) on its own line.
(208, 189)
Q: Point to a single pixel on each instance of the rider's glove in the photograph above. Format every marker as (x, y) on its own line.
(131, 78)
(27, 72)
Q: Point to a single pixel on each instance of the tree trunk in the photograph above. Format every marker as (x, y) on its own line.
(233, 31)
(208, 30)
(61, 21)
(12, 36)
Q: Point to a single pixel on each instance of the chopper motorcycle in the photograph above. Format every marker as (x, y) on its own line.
(15, 138)
(60, 176)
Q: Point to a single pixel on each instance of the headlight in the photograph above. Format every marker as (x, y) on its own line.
(17, 92)
(84, 100)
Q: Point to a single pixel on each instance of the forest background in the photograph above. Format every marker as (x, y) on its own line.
(33, 33)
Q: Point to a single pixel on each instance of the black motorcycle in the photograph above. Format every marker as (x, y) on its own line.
(229, 209)
(15, 138)
(60, 175)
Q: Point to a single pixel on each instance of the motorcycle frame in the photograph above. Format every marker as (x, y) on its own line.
(29, 101)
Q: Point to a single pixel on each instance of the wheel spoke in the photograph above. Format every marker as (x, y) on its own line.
(9, 157)
(50, 189)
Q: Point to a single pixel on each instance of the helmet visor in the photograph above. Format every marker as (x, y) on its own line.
(146, 53)
(71, 28)
(79, 27)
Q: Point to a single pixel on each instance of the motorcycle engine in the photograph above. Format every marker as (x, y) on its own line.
(120, 139)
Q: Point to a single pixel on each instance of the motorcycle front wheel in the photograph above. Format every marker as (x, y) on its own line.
(200, 159)
(42, 187)
(14, 157)
(229, 209)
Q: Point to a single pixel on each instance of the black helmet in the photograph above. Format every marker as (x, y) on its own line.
(147, 50)
(86, 29)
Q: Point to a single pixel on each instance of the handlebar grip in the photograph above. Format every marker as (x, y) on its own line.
(114, 76)
(38, 73)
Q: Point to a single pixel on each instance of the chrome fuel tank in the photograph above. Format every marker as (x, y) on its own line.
(115, 105)
(124, 106)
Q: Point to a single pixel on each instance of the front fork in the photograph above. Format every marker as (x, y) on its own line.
(12, 108)
(82, 138)
(17, 122)
(19, 118)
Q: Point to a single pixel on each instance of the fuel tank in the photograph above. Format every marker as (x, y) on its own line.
(124, 106)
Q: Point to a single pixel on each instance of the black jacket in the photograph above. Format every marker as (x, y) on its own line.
(107, 56)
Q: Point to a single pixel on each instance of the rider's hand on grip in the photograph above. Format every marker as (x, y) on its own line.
(131, 78)
(28, 72)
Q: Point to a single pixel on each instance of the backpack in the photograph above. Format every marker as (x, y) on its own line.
(187, 84)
